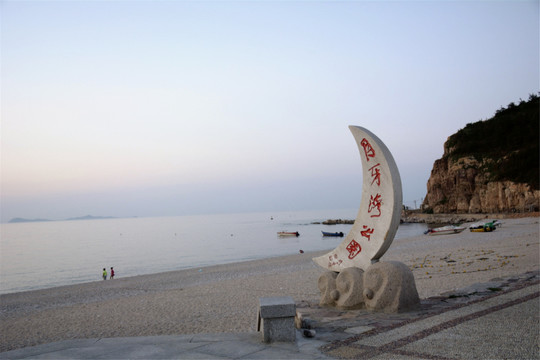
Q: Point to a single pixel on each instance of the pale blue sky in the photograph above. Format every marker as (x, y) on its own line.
(140, 108)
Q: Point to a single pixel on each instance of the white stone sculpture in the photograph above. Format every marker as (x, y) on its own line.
(371, 235)
(380, 209)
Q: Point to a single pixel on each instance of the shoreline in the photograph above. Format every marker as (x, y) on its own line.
(224, 298)
(415, 216)
(418, 217)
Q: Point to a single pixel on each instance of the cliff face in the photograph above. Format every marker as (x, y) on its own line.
(461, 187)
(499, 174)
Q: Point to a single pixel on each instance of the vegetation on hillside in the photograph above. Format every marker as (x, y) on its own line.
(507, 144)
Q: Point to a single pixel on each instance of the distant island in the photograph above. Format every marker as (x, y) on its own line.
(87, 217)
(90, 217)
(21, 220)
(334, 222)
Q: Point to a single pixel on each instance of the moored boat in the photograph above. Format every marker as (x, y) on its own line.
(339, 234)
(484, 226)
(446, 230)
(288, 233)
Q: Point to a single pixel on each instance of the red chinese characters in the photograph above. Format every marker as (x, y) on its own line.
(368, 149)
(375, 174)
(375, 204)
(367, 232)
(374, 209)
(354, 249)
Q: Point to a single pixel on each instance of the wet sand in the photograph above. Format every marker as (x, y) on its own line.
(224, 298)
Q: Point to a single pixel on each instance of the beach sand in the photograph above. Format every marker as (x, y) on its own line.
(224, 298)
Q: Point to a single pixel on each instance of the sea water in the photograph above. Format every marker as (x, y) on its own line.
(41, 255)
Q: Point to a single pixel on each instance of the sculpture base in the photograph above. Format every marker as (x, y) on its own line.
(384, 287)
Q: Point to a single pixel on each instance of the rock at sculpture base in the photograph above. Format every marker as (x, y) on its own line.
(384, 287)
(390, 287)
(327, 287)
(349, 284)
(343, 290)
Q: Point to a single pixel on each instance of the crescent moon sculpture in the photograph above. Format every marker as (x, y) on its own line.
(380, 208)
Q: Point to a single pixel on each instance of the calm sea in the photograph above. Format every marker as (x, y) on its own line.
(48, 254)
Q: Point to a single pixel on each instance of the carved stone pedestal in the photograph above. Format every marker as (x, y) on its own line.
(384, 287)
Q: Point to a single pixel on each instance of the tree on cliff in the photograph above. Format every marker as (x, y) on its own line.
(511, 138)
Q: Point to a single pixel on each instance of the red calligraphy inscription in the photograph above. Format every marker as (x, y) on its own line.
(354, 249)
(367, 232)
(375, 174)
(375, 204)
(333, 260)
(335, 263)
(368, 149)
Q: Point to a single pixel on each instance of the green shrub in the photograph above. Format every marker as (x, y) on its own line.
(507, 144)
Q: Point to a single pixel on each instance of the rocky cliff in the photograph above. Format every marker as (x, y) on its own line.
(490, 166)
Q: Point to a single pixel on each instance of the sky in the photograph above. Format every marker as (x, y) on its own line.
(165, 108)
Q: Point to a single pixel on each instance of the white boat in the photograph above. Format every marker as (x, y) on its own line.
(497, 223)
(446, 230)
(288, 233)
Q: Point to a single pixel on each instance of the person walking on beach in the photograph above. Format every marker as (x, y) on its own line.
(104, 274)
(112, 273)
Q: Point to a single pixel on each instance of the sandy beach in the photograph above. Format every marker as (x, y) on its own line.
(224, 298)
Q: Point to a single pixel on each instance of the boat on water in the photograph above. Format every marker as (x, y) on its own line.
(288, 233)
(339, 234)
(484, 226)
(446, 230)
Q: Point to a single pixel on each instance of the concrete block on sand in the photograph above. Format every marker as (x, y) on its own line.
(276, 319)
